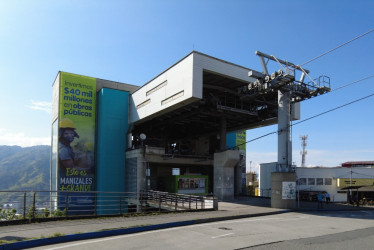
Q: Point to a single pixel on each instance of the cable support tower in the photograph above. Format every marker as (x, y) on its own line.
(307, 119)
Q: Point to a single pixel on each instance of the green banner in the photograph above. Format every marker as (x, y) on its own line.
(77, 102)
(241, 140)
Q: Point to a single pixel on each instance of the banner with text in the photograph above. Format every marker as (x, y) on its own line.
(241, 139)
(77, 109)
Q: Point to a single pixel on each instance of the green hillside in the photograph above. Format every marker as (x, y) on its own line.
(24, 168)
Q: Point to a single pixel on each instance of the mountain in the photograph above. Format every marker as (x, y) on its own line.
(24, 168)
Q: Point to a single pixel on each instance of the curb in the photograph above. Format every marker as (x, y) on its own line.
(330, 209)
(116, 232)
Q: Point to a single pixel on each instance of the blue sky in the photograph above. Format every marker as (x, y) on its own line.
(133, 41)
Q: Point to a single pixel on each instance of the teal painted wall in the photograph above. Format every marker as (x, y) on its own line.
(112, 126)
(231, 140)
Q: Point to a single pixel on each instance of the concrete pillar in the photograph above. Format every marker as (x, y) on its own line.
(238, 179)
(224, 177)
(284, 139)
(283, 190)
(141, 177)
(283, 182)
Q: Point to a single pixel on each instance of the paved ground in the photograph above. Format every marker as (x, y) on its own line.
(239, 208)
(329, 230)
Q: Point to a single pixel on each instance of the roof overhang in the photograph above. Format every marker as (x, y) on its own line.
(209, 94)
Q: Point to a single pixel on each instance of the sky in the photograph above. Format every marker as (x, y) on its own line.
(133, 41)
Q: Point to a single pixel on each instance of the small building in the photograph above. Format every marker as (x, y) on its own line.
(251, 183)
(343, 184)
(360, 164)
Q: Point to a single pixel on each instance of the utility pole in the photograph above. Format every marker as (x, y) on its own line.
(350, 188)
(304, 152)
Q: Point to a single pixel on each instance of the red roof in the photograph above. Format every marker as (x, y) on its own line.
(352, 163)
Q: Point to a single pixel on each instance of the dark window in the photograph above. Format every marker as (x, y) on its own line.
(302, 181)
(319, 181)
(328, 181)
(311, 181)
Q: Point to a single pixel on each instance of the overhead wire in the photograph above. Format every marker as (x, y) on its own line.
(346, 85)
(331, 50)
(341, 106)
(307, 119)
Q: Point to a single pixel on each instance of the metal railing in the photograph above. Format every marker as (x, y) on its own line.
(38, 205)
(172, 201)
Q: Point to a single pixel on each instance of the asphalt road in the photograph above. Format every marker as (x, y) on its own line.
(329, 230)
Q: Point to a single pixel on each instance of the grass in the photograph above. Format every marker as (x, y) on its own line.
(56, 235)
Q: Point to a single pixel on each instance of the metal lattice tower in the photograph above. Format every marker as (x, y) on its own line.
(304, 152)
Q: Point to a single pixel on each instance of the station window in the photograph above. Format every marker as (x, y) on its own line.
(143, 104)
(319, 181)
(302, 181)
(328, 181)
(173, 97)
(311, 181)
(156, 88)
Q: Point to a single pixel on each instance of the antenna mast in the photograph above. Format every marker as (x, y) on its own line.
(304, 152)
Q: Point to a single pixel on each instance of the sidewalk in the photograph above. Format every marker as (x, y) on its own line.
(69, 230)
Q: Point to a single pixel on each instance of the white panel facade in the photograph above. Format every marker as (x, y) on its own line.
(180, 85)
(173, 86)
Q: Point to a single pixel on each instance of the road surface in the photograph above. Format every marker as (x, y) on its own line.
(327, 230)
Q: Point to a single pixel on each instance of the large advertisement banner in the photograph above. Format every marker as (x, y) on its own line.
(241, 139)
(76, 136)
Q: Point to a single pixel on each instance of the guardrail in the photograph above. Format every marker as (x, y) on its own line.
(39, 205)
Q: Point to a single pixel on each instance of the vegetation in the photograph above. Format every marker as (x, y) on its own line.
(9, 214)
(23, 169)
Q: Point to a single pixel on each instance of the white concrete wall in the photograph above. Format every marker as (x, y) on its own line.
(220, 67)
(185, 77)
(224, 177)
(264, 183)
(176, 80)
(321, 173)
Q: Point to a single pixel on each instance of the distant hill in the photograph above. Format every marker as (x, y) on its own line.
(24, 168)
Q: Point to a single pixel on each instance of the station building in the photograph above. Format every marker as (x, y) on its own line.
(183, 131)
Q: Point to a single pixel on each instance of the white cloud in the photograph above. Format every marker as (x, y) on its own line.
(20, 139)
(43, 106)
